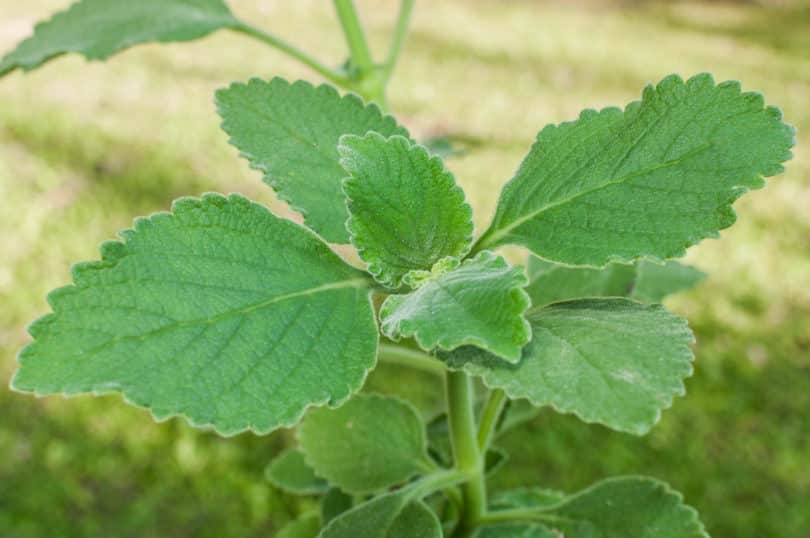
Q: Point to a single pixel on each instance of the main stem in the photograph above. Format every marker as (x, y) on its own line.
(468, 457)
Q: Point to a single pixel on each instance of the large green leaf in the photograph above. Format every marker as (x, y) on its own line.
(218, 311)
(624, 507)
(648, 181)
(406, 211)
(516, 530)
(480, 302)
(612, 361)
(393, 515)
(98, 29)
(644, 280)
(291, 473)
(370, 443)
(290, 133)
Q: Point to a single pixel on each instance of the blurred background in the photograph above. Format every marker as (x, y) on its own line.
(86, 147)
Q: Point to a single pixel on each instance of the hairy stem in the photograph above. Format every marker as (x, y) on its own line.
(465, 450)
(489, 418)
(274, 41)
(394, 354)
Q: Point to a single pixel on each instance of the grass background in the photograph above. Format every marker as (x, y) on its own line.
(85, 147)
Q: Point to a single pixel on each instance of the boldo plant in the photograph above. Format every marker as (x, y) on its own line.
(225, 314)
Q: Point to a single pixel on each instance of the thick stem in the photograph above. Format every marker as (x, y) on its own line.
(468, 458)
(355, 38)
(404, 356)
(335, 76)
(489, 419)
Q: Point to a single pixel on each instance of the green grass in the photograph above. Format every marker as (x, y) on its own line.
(85, 147)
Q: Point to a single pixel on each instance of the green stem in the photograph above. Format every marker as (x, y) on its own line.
(489, 419)
(355, 38)
(435, 482)
(398, 39)
(404, 356)
(519, 514)
(331, 74)
(465, 449)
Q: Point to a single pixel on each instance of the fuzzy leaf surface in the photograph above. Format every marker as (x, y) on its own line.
(393, 515)
(218, 311)
(480, 303)
(627, 506)
(290, 133)
(647, 181)
(291, 473)
(516, 530)
(406, 211)
(611, 361)
(370, 443)
(645, 281)
(97, 29)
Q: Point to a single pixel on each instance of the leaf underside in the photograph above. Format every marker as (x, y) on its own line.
(480, 303)
(406, 211)
(97, 29)
(647, 181)
(291, 473)
(611, 361)
(645, 281)
(218, 311)
(290, 133)
(368, 444)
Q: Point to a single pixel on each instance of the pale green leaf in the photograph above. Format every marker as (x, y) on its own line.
(307, 526)
(648, 181)
(479, 303)
(370, 443)
(516, 530)
(624, 507)
(611, 361)
(393, 515)
(405, 210)
(334, 503)
(526, 498)
(97, 29)
(644, 280)
(218, 311)
(291, 473)
(290, 133)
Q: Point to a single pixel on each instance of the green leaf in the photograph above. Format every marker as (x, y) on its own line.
(291, 473)
(479, 303)
(370, 443)
(644, 280)
(516, 530)
(290, 133)
(218, 311)
(517, 412)
(406, 211)
(526, 498)
(307, 526)
(393, 515)
(97, 29)
(334, 503)
(648, 181)
(611, 361)
(627, 506)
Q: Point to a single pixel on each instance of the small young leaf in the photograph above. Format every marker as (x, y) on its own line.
(479, 303)
(97, 29)
(290, 133)
(612, 361)
(622, 507)
(334, 503)
(648, 181)
(406, 211)
(307, 526)
(644, 280)
(218, 311)
(291, 473)
(370, 443)
(393, 515)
